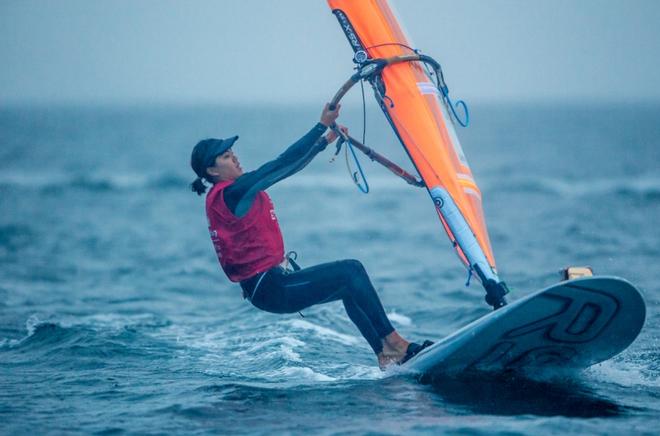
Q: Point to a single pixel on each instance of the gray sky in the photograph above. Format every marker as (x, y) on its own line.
(286, 51)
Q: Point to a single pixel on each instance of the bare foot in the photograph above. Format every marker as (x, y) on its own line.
(394, 346)
(385, 361)
(396, 342)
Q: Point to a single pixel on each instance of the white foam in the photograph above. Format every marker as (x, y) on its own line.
(216, 345)
(397, 318)
(361, 372)
(394, 371)
(323, 332)
(275, 354)
(283, 347)
(31, 324)
(289, 354)
(5, 342)
(300, 373)
(278, 341)
(624, 373)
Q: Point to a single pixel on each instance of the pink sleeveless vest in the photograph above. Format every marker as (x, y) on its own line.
(248, 245)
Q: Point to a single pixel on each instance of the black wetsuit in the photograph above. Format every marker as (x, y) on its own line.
(279, 290)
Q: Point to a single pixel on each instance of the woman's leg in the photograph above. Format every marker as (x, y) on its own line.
(347, 280)
(365, 296)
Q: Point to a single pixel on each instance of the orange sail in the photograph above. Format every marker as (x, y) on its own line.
(421, 116)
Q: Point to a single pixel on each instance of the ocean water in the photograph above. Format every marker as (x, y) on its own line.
(115, 317)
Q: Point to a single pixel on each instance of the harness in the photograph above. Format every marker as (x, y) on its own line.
(289, 264)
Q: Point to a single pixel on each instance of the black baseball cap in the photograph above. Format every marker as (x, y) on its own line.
(205, 152)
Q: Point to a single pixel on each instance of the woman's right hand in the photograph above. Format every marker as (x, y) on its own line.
(328, 117)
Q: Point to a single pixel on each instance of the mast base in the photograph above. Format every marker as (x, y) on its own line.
(495, 293)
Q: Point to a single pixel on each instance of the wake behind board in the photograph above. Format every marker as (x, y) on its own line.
(571, 325)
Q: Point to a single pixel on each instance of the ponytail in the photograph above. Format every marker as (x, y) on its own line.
(198, 186)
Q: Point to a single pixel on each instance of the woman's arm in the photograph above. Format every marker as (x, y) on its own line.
(240, 195)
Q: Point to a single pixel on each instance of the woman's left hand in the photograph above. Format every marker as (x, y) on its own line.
(332, 135)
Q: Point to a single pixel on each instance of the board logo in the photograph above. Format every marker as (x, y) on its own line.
(553, 339)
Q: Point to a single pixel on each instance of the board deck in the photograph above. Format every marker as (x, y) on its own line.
(570, 325)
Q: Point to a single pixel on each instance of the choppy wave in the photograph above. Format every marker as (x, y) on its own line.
(134, 327)
(631, 370)
(52, 331)
(644, 187)
(95, 183)
(56, 346)
(289, 352)
(322, 333)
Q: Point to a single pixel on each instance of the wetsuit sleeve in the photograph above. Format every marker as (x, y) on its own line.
(240, 194)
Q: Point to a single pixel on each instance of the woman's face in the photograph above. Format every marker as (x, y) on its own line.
(226, 167)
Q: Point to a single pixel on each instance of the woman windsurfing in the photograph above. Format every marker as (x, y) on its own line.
(249, 245)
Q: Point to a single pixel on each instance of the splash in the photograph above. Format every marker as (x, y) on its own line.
(323, 332)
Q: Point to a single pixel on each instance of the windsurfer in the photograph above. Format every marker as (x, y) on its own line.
(248, 242)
